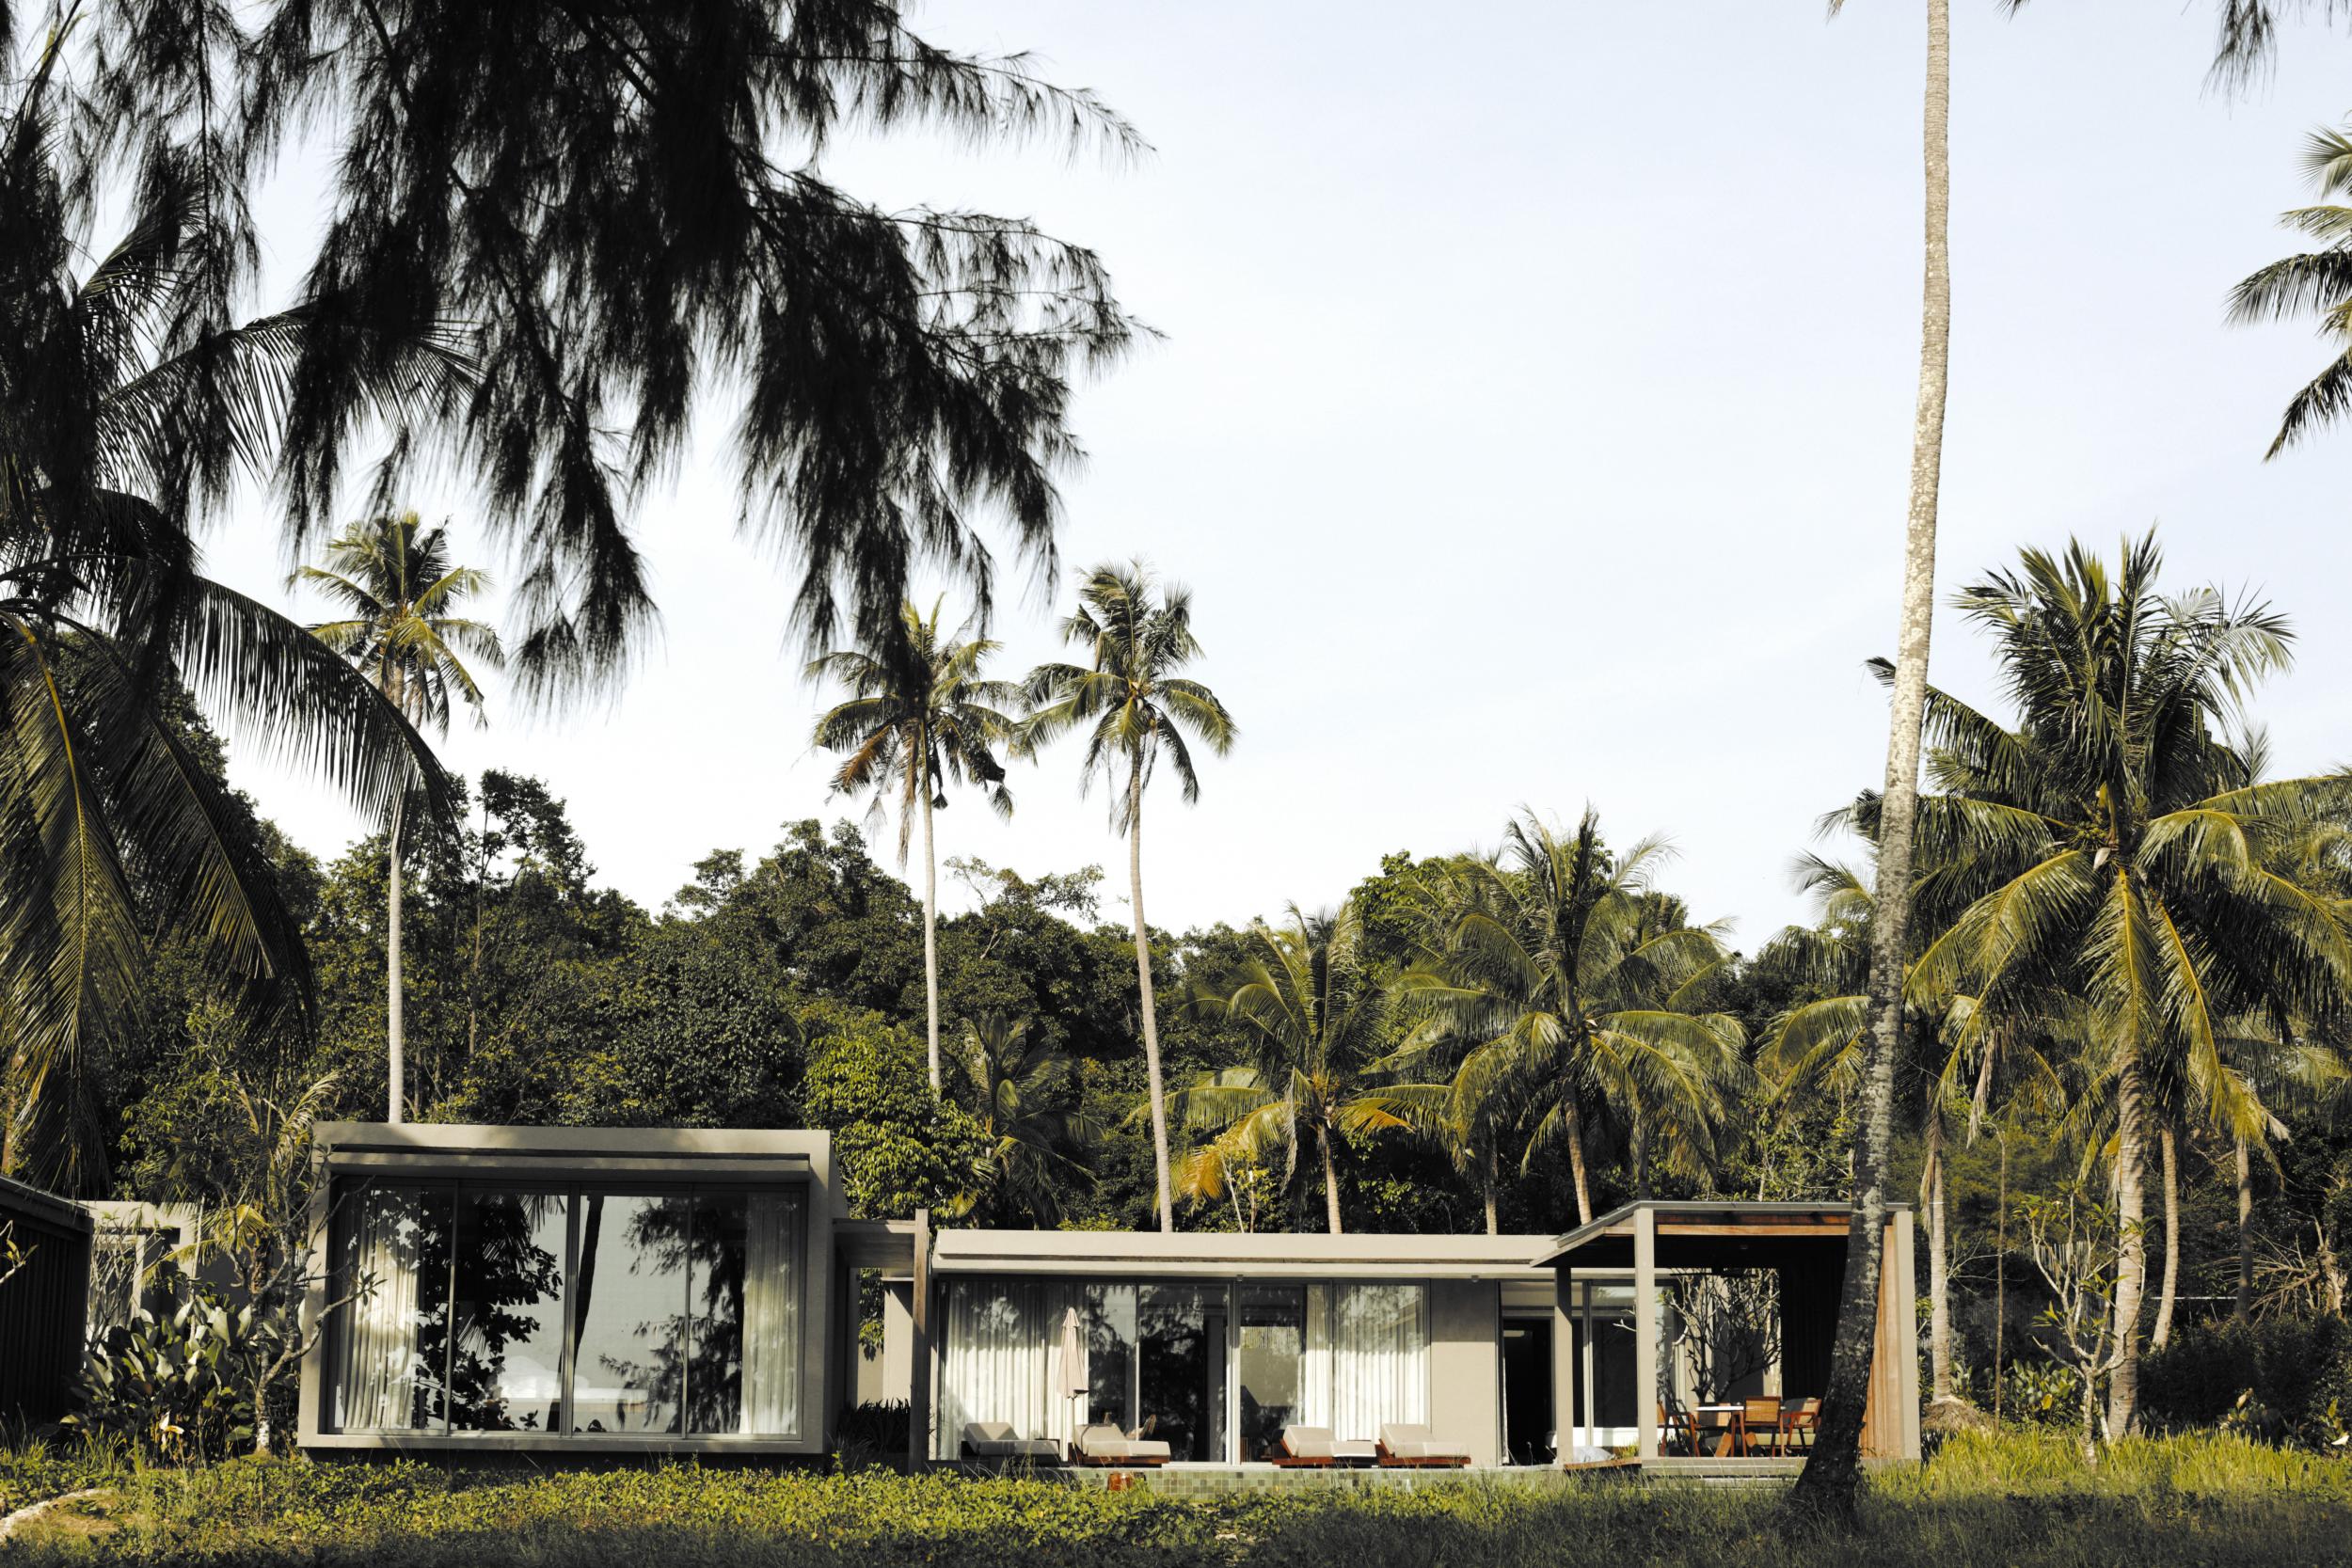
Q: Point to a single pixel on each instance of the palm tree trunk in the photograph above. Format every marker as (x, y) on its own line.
(1833, 1475)
(1493, 1181)
(1939, 1271)
(1330, 1181)
(1577, 1172)
(931, 931)
(396, 1077)
(2130, 1264)
(1639, 1154)
(1143, 986)
(2167, 1145)
(2242, 1305)
(2001, 1278)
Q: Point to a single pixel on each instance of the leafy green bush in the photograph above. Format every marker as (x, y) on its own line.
(2277, 1379)
(874, 1433)
(181, 1384)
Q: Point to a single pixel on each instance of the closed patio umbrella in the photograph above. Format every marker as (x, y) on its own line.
(1069, 1369)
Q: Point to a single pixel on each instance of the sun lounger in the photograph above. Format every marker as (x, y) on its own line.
(1314, 1449)
(1108, 1444)
(996, 1440)
(1410, 1445)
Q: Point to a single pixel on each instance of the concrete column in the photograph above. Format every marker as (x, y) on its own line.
(1645, 1330)
(919, 1350)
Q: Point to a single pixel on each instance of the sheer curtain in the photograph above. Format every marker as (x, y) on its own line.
(999, 1361)
(772, 1315)
(376, 1388)
(1315, 1368)
(1379, 1358)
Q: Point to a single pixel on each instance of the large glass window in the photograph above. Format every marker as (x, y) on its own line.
(394, 1269)
(576, 1311)
(1270, 1364)
(630, 1301)
(506, 1373)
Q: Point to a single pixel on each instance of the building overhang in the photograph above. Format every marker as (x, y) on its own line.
(1706, 1235)
(1105, 1254)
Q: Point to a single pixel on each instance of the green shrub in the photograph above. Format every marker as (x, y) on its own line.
(2277, 1379)
(180, 1385)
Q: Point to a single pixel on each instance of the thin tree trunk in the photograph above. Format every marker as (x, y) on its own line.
(1939, 1270)
(2242, 1306)
(1638, 1153)
(931, 931)
(2161, 1335)
(2130, 1264)
(1143, 983)
(473, 972)
(1833, 1474)
(396, 1077)
(1493, 1181)
(1577, 1172)
(1330, 1181)
(2000, 1277)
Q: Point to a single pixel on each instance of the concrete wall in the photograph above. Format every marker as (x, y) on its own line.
(1466, 1367)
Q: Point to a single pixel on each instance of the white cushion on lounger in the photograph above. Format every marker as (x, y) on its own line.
(1108, 1442)
(1407, 1440)
(1308, 1442)
(995, 1440)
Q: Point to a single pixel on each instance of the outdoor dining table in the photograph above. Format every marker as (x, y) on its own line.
(1733, 1421)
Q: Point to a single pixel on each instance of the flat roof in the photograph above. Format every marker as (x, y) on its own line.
(21, 1200)
(465, 1149)
(1706, 1233)
(1283, 1256)
(884, 1245)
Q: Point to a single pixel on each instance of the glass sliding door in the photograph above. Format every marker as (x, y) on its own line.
(393, 1338)
(629, 1303)
(1379, 1358)
(1180, 1369)
(1269, 1365)
(742, 1368)
(506, 1371)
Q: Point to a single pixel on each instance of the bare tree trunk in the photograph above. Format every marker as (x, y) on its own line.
(2169, 1145)
(1574, 1117)
(2000, 1277)
(1143, 982)
(396, 1078)
(1330, 1181)
(2242, 1306)
(1493, 1181)
(1939, 1270)
(931, 931)
(2130, 1264)
(1833, 1474)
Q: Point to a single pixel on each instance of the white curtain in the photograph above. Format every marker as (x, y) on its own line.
(999, 1361)
(1314, 1368)
(1379, 1358)
(772, 1315)
(375, 1391)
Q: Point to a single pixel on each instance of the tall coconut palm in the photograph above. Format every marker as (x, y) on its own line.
(920, 715)
(1958, 1059)
(1138, 711)
(128, 409)
(1572, 983)
(2315, 284)
(1316, 1021)
(392, 579)
(1834, 1472)
(2119, 847)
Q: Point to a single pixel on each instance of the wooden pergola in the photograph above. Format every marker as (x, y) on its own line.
(1804, 1245)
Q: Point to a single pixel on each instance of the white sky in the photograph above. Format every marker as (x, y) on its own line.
(1533, 422)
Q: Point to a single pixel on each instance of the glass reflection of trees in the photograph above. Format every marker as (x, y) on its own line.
(658, 1308)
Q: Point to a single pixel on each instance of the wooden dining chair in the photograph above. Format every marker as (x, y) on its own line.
(1676, 1425)
(1760, 1423)
(1800, 1420)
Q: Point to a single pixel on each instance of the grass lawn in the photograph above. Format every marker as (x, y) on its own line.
(2014, 1500)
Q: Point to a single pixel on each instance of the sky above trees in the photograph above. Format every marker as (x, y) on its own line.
(1531, 423)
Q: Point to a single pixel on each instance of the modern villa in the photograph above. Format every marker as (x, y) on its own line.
(575, 1291)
